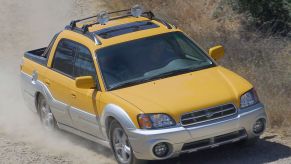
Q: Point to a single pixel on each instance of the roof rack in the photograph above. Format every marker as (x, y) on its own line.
(103, 17)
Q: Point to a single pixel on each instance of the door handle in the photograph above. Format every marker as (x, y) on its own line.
(47, 82)
(73, 96)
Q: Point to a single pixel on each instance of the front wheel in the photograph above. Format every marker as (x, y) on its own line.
(46, 116)
(121, 146)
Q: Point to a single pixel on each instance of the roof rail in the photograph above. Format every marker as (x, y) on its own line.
(104, 17)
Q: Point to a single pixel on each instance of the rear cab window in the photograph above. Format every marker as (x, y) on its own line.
(64, 57)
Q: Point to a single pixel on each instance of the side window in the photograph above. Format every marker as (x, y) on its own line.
(84, 65)
(64, 57)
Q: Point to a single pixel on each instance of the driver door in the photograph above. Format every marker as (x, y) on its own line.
(85, 101)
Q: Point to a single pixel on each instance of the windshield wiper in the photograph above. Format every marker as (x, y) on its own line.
(171, 73)
(159, 76)
(179, 71)
(130, 83)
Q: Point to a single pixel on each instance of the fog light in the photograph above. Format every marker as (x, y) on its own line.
(259, 126)
(161, 149)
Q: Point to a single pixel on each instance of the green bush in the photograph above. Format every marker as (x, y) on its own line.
(268, 15)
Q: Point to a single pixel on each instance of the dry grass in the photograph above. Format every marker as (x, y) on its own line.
(262, 59)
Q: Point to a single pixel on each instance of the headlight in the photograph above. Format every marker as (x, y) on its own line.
(155, 121)
(249, 98)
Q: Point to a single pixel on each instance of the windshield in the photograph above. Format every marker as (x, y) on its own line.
(150, 58)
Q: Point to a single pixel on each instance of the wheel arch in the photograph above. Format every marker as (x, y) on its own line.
(114, 112)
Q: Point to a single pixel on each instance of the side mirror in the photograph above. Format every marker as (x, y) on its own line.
(85, 82)
(216, 52)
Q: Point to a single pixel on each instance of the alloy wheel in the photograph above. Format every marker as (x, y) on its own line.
(121, 145)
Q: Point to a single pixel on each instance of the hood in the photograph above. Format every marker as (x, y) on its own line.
(187, 92)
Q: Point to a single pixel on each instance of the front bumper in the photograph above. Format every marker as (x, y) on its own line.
(143, 141)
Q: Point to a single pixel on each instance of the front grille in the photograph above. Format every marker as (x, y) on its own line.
(215, 141)
(208, 114)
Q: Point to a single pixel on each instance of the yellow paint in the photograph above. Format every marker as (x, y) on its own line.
(188, 92)
(85, 82)
(173, 95)
(216, 52)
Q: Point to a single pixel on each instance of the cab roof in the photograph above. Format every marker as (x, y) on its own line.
(121, 28)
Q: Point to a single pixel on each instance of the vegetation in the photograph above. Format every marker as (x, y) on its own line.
(268, 15)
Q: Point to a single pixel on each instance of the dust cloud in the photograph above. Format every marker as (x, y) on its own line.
(27, 25)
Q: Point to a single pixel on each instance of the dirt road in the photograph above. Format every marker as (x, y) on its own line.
(30, 24)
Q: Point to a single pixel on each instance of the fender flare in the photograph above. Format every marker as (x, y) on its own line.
(118, 113)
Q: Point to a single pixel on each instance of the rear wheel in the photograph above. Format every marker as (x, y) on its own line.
(46, 116)
(121, 146)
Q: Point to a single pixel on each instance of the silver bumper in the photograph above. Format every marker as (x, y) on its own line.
(143, 141)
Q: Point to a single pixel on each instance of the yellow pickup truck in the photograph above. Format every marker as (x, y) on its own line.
(140, 86)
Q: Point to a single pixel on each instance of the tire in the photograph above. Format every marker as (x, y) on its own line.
(46, 116)
(120, 145)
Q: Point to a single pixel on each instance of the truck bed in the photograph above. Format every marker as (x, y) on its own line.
(37, 56)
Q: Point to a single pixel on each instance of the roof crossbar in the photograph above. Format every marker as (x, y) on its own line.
(127, 13)
(90, 35)
(74, 22)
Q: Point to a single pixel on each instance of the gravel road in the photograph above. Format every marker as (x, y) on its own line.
(30, 24)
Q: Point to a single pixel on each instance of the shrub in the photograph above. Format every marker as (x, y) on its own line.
(272, 16)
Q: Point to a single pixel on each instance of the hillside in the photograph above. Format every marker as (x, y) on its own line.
(262, 57)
